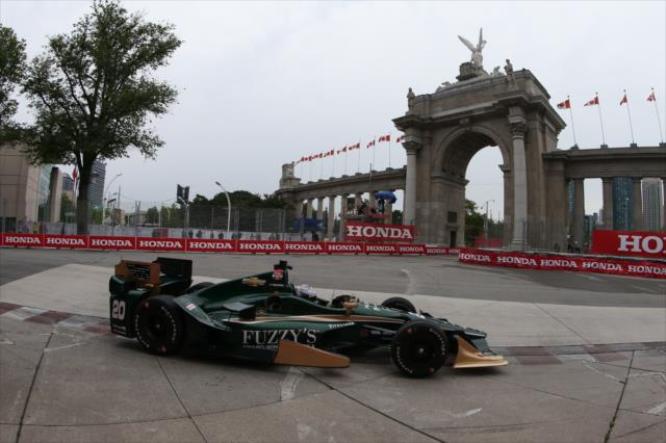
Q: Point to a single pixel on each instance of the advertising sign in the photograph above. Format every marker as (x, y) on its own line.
(378, 232)
(636, 243)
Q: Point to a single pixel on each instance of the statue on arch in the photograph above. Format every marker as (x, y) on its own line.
(477, 57)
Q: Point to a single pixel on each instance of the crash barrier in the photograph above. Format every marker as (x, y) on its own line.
(555, 262)
(631, 243)
(126, 243)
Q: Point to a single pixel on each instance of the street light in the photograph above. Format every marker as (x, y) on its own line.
(228, 205)
(105, 202)
(486, 218)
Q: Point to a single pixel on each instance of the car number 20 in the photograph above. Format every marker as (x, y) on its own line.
(118, 310)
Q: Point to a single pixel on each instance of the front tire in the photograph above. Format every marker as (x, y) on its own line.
(159, 325)
(419, 348)
(399, 304)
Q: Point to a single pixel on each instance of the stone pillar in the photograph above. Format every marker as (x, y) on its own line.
(637, 204)
(607, 189)
(579, 212)
(308, 210)
(663, 207)
(371, 200)
(343, 216)
(409, 214)
(331, 217)
(358, 199)
(519, 238)
(298, 209)
(320, 208)
(388, 212)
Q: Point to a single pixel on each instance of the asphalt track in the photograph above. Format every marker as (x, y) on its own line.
(587, 360)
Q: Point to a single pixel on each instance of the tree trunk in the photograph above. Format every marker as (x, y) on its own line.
(82, 205)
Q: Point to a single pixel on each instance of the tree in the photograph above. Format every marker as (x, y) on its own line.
(12, 68)
(66, 206)
(94, 95)
(473, 222)
(152, 216)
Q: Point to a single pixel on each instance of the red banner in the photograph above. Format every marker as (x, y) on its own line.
(212, 245)
(635, 243)
(260, 247)
(24, 240)
(375, 249)
(411, 249)
(629, 267)
(110, 242)
(378, 232)
(66, 241)
(339, 248)
(304, 247)
(160, 244)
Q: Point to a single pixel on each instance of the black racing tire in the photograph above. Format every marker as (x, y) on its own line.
(419, 348)
(339, 301)
(159, 326)
(399, 303)
(198, 287)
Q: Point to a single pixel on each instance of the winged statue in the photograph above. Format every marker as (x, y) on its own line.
(477, 57)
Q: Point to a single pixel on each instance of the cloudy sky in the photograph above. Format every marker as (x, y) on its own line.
(264, 83)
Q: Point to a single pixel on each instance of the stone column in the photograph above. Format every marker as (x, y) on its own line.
(298, 209)
(388, 212)
(371, 200)
(579, 212)
(607, 188)
(663, 207)
(331, 217)
(637, 204)
(308, 210)
(409, 214)
(343, 216)
(358, 199)
(320, 208)
(519, 238)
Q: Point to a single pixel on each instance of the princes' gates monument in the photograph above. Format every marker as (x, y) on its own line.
(510, 110)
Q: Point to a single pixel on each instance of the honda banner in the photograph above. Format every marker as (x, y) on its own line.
(629, 267)
(636, 243)
(377, 232)
(344, 248)
(260, 247)
(109, 242)
(160, 244)
(376, 249)
(66, 241)
(24, 240)
(212, 245)
(304, 247)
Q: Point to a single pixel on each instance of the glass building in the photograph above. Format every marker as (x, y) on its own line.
(622, 203)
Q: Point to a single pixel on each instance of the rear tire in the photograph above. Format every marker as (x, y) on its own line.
(419, 348)
(399, 304)
(159, 326)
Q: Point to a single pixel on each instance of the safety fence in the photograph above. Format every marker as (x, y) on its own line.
(130, 243)
(561, 262)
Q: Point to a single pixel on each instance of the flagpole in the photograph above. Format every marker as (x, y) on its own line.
(573, 128)
(358, 158)
(374, 151)
(631, 126)
(345, 161)
(389, 148)
(601, 123)
(310, 171)
(656, 110)
(333, 172)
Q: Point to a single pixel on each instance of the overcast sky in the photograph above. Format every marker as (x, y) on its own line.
(264, 83)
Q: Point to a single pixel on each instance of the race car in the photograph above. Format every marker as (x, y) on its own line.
(266, 318)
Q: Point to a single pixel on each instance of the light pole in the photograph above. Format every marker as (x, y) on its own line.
(485, 222)
(104, 203)
(228, 205)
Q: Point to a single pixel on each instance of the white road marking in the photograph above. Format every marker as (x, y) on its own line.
(289, 384)
(23, 313)
(5, 341)
(464, 414)
(592, 277)
(605, 374)
(657, 409)
(59, 348)
(411, 286)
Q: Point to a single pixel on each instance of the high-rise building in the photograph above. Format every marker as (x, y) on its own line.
(96, 187)
(653, 204)
(622, 203)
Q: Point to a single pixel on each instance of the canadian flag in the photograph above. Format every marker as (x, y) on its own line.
(594, 101)
(356, 146)
(384, 138)
(371, 144)
(651, 97)
(624, 100)
(400, 139)
(566, 104)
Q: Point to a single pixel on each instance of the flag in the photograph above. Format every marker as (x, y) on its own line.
(594, 101)
(384, 138)
(356, 146)
(400, 139)
(624, 100)
(651, 97)
(75, 173)
(566, 104)
(371, 144)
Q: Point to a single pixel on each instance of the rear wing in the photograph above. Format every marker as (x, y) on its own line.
(150, 274)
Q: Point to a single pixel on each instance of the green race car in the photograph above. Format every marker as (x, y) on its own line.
(265, 318)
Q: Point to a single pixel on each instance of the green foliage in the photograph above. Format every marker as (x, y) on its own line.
(152, 215)
(473, 222)
(240, 199)
(12, 68)
(93, 93)
(66, 206)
